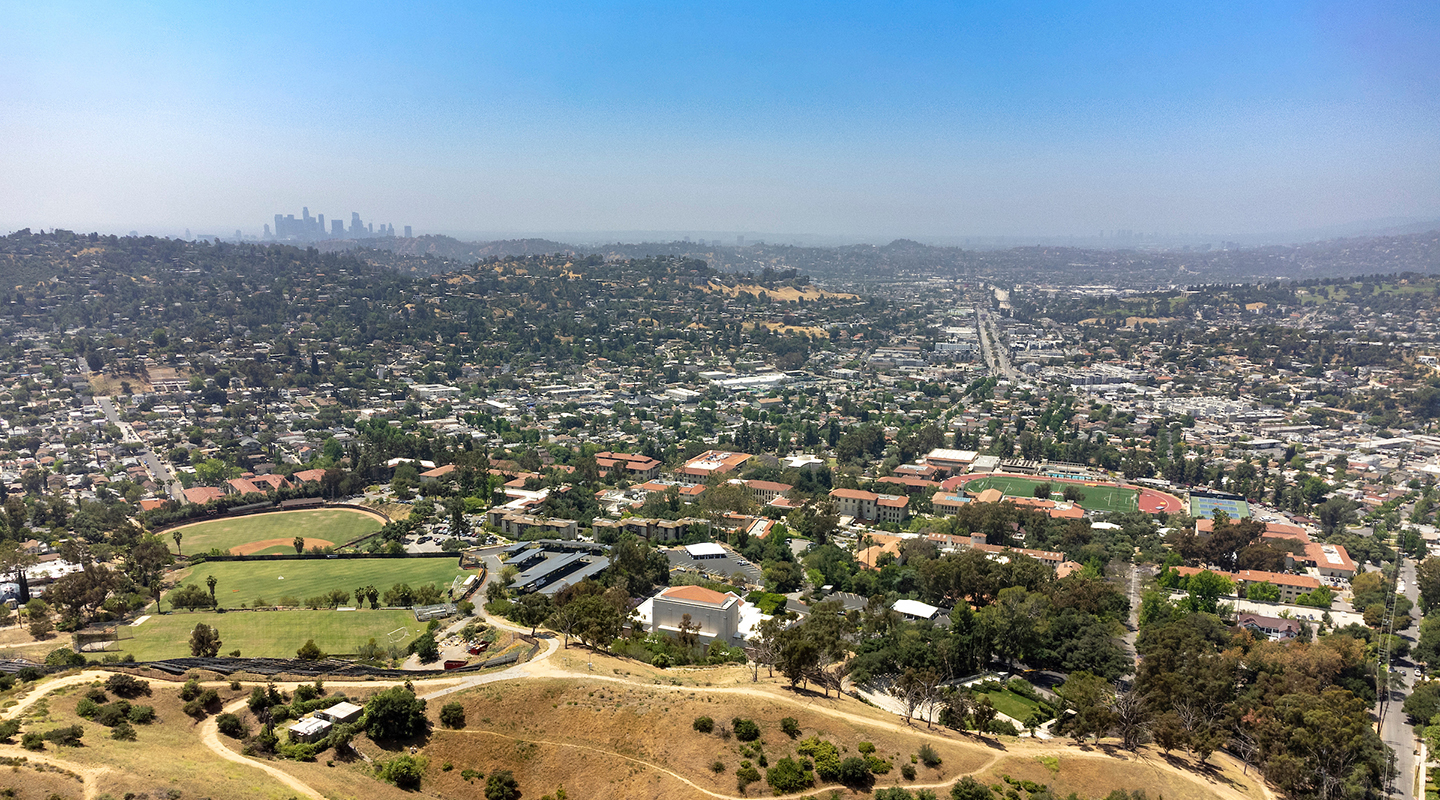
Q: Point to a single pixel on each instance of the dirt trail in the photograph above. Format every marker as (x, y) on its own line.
(542, 667)
(89, 776)
(210, 736)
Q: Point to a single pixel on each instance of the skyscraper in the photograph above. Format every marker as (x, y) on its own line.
(407, 233)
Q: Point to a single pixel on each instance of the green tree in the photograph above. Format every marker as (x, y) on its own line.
(967, 788)
(309, 651)
(452, 715)
(1012, 622)
(395, 714)
(1204, 590)
(404, 771)
(204, 641)
(1427, 580)
(1263, 591)
(501, 785)
(533, 609)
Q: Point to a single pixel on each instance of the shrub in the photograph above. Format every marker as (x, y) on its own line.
(717, 766)
(126, 685)
(8, 729)
(123, 731)
(64, 657)
(232, 726)
(403, 770)
(112, 714)
(310, 652)
(86, 708)
(855, 773)
(68, 737)
(32, 741)
(928, 756)
(790, 726)
(825, 755)
(97, 694)
(788, 775)
(142, 715)
(967, 788)
(877, 765)
(202, 702)
(501, 785)
(745, 775)
(190, 690)
(908, 771)
(865, 748)
(1001, 727)
(452, 715)
(745, 730)
(704, 724)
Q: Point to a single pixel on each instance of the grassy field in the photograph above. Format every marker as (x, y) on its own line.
(1097, 498)
(334, 525)
(274, 634)
(1012, 705)
(245, 581)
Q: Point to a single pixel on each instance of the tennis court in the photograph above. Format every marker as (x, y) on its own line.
(1205, 507)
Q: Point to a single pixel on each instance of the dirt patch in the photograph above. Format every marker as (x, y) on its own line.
(783, 293)
(621, 740)
(255, 547)
(1095, 771)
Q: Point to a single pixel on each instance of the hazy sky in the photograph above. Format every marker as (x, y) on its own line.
(870, 119)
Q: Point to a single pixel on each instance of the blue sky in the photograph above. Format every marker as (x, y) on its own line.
(866, 120)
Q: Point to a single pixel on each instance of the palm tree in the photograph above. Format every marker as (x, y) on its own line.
(210, 581)
(177, 536)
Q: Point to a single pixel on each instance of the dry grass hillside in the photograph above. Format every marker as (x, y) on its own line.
(597, 726)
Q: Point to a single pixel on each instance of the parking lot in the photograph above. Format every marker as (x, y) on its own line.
(718, 568)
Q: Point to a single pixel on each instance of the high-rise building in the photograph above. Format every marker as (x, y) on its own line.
(337, 228)
(407, 233)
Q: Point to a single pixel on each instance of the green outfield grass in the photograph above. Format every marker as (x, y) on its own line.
(1097, 498)
(269, 634)
(335, 525)
(1012, 705)
(244, 581)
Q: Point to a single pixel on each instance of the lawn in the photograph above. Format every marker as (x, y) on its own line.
(333, 525)
(245, 581)
(1012, 705)
(1099, 497)
(274, 634)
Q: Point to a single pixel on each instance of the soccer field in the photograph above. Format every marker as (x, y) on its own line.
(269, 634)
(334, 526)
(245, 581)
(1098, 497)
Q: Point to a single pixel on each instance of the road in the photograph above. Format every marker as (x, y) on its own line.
(996, 358)
(158, 471)
(1395, 729)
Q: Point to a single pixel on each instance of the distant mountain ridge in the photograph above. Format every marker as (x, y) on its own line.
(905, 260)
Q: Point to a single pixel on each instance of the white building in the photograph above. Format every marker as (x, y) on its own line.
(717, 615)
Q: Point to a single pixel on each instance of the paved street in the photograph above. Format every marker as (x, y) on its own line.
(1395, 729)
(158, 471)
